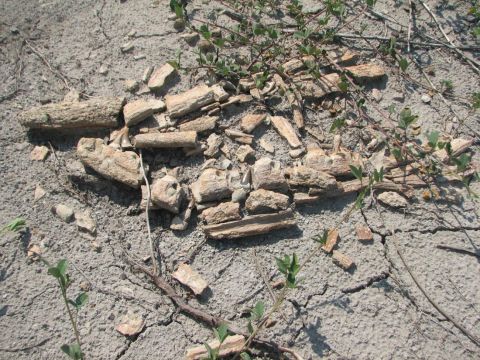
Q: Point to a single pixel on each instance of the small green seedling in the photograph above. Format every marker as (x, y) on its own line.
(15, 225)
(289, 266)
(406, 118)
(322, 239)
(221, 334)
(59, 272)
(256, 315)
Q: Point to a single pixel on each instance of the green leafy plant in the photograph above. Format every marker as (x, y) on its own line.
(337, 124)
(406, 118)
(59, 272)
(256, 315)
(446, 86)
(289, 266)
(476, 100)
(376, 177)
(15, 225)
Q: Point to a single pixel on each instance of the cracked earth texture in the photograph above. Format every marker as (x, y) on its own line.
(374, 311)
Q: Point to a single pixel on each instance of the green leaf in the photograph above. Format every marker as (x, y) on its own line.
(273, 33)
(370, 2)
(406, 118)
(219, 42)
(250, 327)
(337, 124)
(62, 266)
(221, 332)
(54, 272)
(359, 200)
(476, 31)
(245, 356)
(81, 300)
(462, 162)
(447, 85)
(15, 225)
(403, 63)
(391, 109)
(73, 351)
(258, 310)
(476, 100)
(212, 354)
(356, 171)
(322, 239)
(323, 20)
(433, 139)
(258, 29)
(335, 7)
(205, 31)
(282, 266)
(378, 175)
(397, 153)
(343, 84)
(174, 64)
(295, 265)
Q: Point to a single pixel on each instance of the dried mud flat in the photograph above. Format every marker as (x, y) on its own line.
(374, 310)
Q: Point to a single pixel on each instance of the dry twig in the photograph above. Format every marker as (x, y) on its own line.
(147, 215)
(473, 63)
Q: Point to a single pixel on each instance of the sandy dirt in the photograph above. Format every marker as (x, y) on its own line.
(374, 311)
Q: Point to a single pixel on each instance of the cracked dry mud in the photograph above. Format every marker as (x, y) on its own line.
(372, 311)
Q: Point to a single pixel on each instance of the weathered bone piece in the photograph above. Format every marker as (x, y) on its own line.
(180, 222)
(190, 100)
(458, 145)
(239, 136)
(120, 139)
(267, 174)
(188, 277)
(212, 185)
(265, 201)
(363, 232)
(160, 76)
(99, 112)
(342, 260)
(285, 129)
(136, 111)
(327, 84)
(366, 71)
(244, 153)
(332, 239)
(336, 164)
(166, 140)
(310, 177)
(296, 65)
(231, 345)
(167, 193)
(112, 164)
(251, 225)
(250, 121)
(219, 92)
(203, 124)
(226, 211)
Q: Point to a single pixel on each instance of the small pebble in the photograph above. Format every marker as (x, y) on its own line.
(64, 212)
(131, 85)
(103, 70)
(179, 25)
(127, 47)
(426, 98)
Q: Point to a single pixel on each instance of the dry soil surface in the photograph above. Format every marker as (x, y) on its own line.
(374, 311)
